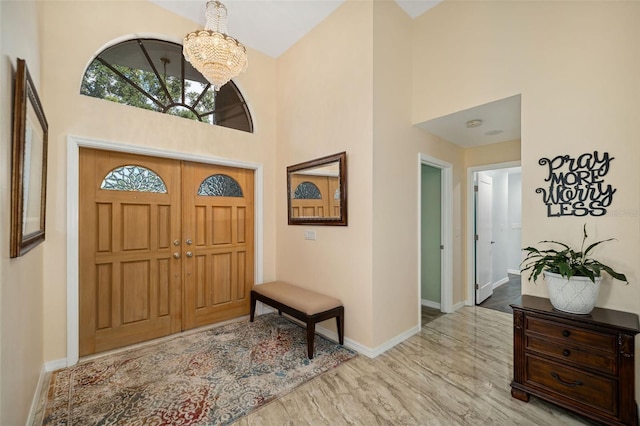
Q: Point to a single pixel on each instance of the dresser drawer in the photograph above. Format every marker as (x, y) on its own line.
(579, 337)
(567, 382)
(601, 361)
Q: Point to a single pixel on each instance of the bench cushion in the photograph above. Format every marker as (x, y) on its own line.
(298, 298)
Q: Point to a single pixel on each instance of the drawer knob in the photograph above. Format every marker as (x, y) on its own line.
(566, 333)
(569, 384)
(566, 352)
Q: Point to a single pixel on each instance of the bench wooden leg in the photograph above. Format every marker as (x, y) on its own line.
(252, 312)
(340, 327)
(311, 332)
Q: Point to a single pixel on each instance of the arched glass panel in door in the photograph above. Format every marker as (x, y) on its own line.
(307, 191)
(220, 185)
(133, 178)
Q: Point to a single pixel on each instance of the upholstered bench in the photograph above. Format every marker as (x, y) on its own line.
(302, 304)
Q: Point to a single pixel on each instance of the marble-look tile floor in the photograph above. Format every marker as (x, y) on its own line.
(456, 371)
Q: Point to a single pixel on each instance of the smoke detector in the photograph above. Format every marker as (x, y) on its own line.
(474, 123)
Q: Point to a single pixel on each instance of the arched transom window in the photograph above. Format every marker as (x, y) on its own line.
(152, 74)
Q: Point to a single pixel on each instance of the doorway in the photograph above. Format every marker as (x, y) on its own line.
(167, 245)
(494, 258)
(435, 206)
(430, 238)
(74, 144)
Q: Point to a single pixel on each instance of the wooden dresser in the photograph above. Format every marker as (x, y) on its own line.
(584, 363)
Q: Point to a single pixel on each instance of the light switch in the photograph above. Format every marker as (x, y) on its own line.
(309, 235)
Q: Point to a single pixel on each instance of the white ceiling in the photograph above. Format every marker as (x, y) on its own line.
(273, 26)
(500, 116)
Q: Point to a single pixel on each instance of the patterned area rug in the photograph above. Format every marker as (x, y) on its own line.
(207, 378)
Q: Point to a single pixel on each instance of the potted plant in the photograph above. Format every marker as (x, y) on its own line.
(573, 276)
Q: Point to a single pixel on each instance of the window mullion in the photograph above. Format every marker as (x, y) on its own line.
(197, 101)
(182, 81)
(155, 71)
(131, 82)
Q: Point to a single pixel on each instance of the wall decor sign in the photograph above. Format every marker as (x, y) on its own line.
(576, 186)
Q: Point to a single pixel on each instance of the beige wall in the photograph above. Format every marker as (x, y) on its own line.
(355, 83)
(496, 153)
(325, 107)
(74, 25)
(396, 145)
(21, 279)
(575, 67)
(364, 107)
(576, 79)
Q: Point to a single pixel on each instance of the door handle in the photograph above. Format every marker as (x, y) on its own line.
(176, 255)
(189, 242)
(189, 254)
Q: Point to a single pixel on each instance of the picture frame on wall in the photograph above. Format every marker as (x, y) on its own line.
(28, 165)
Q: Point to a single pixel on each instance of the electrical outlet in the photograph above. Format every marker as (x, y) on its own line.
(309, 235)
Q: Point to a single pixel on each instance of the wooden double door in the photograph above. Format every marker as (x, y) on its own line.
(165, 246)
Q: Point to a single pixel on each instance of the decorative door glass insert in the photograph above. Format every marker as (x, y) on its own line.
(133, 178)
(220, 186)
(307, 191)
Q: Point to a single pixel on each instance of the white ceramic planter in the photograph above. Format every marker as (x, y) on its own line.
(577, 295)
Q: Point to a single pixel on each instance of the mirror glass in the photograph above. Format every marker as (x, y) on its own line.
(316, 191)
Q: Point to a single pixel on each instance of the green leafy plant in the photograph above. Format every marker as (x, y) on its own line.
(566, 261)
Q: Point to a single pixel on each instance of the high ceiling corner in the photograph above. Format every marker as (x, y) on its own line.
(273, 26)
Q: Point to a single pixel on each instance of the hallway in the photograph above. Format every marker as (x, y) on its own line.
(505, 295)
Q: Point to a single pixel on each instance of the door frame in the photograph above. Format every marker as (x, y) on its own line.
(470, 256)
(74, 143)
(446, 232)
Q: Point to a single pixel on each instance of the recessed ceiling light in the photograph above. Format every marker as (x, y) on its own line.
(493, 132)
(474, 123)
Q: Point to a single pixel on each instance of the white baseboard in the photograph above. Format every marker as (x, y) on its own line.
(501, 282)
(36, 396)
(513, 271)
(55, 365)
(430, 304)
(358, 347)
(374, 352)
(460, 305)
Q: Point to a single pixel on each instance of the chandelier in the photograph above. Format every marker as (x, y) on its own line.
(218, 56)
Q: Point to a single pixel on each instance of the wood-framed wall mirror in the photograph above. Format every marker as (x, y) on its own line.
(28, 165)
(317, 191)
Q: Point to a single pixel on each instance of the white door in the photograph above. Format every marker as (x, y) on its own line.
(484, 234)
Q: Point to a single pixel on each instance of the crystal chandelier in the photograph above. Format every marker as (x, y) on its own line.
(218, 56)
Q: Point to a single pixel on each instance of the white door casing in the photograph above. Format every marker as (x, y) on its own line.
(73, 146)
